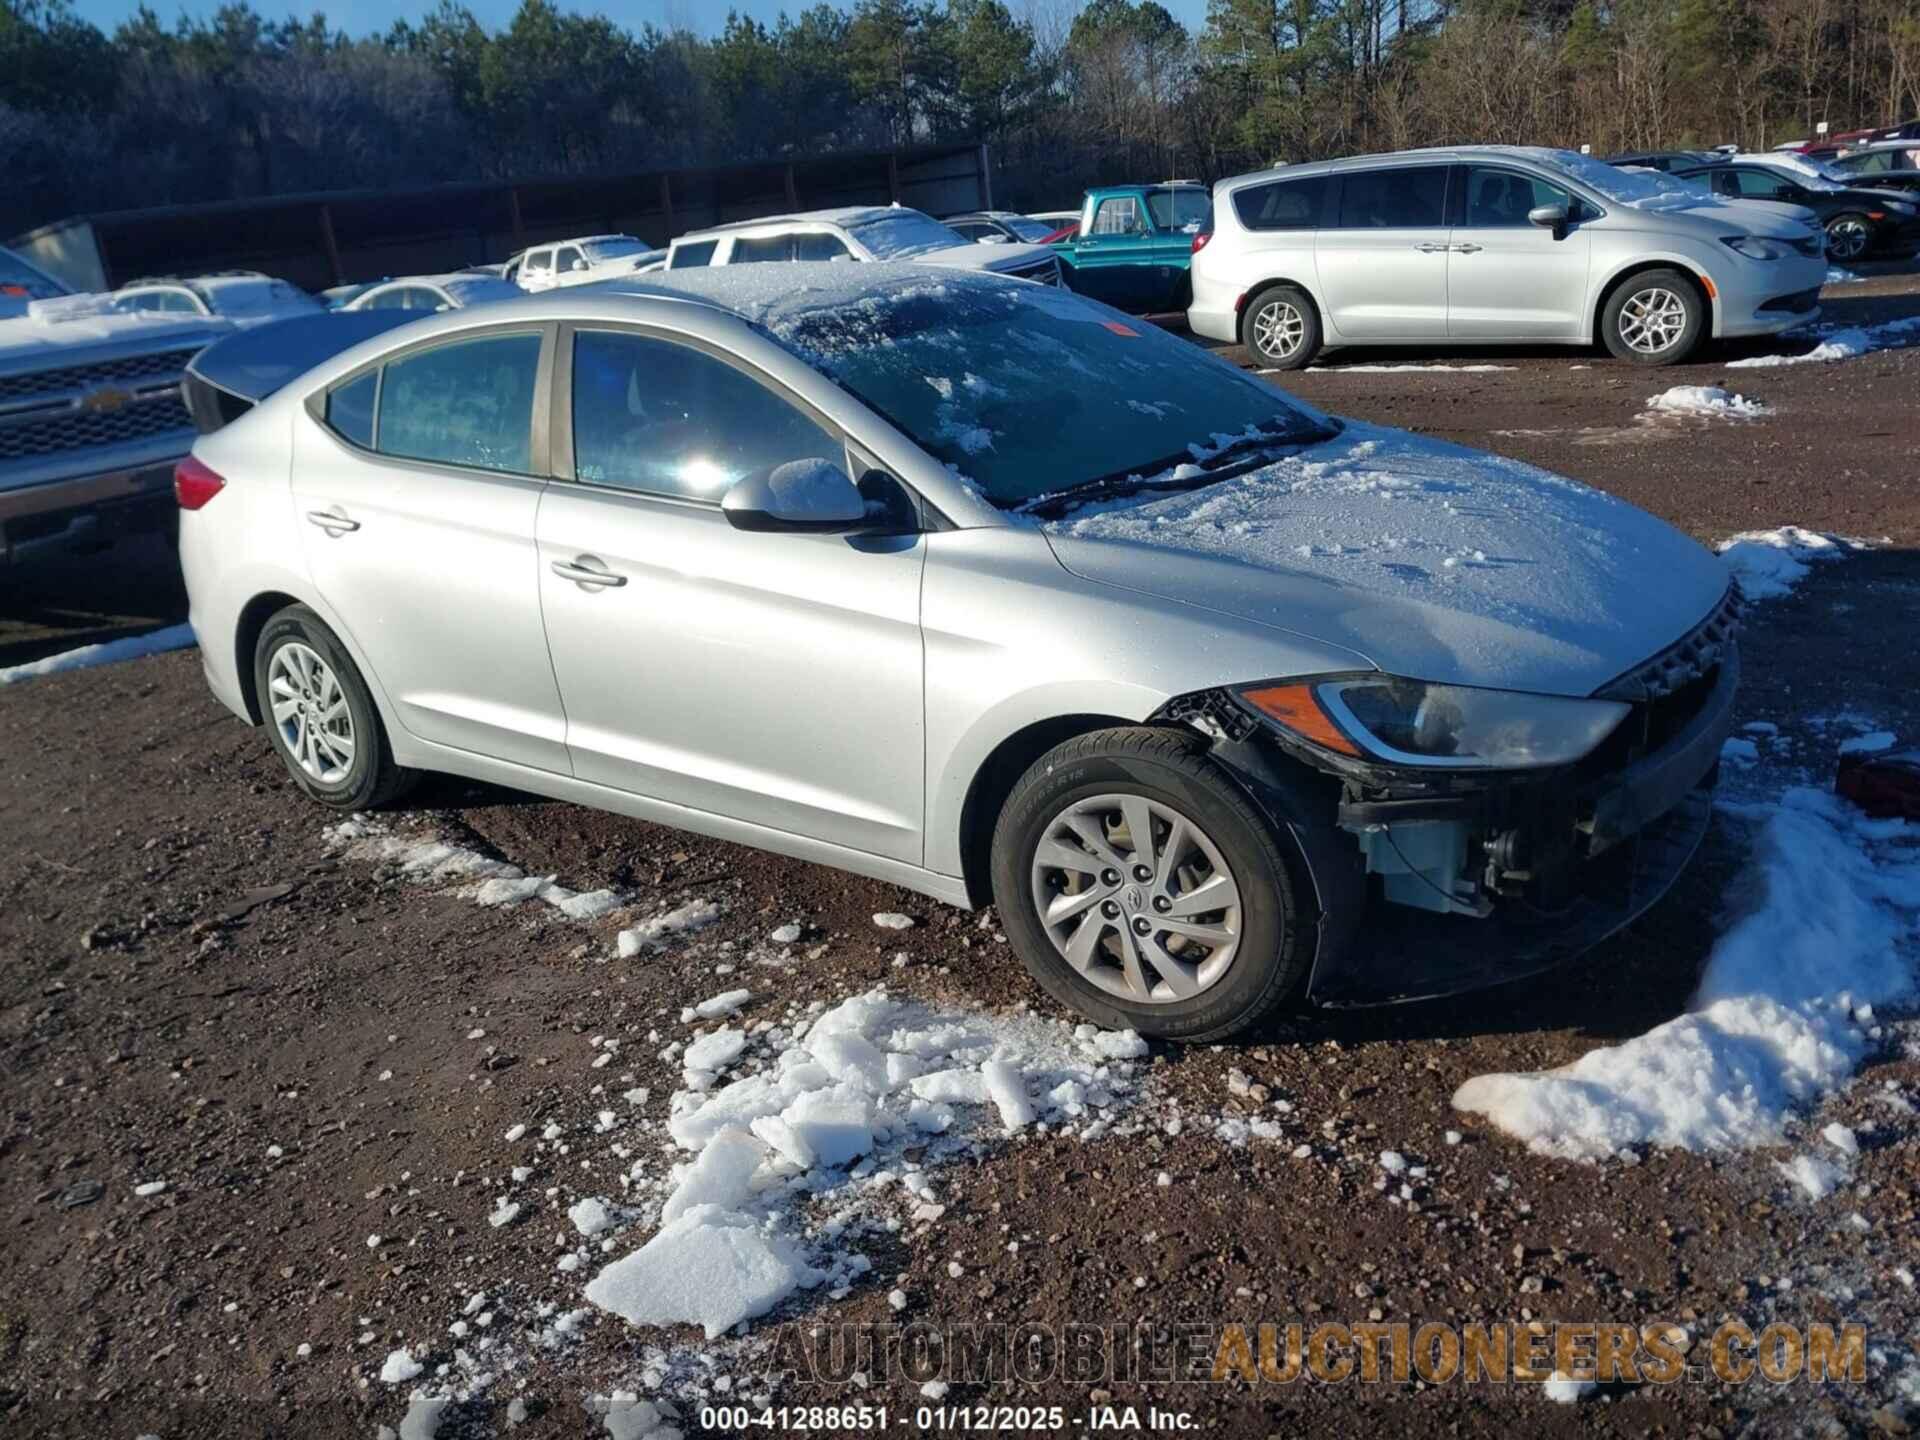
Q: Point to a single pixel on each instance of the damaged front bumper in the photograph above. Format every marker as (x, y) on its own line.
(1430, 884)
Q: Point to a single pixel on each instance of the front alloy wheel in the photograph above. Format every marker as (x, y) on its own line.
(1137, 898)
(1653, 320)
(1141, 886)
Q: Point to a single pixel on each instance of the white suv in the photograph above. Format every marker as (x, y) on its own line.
(1486, 244)
(575, 262)
(866, 232)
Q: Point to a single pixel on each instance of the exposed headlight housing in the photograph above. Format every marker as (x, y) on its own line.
(1393, 721)
(1757, 247)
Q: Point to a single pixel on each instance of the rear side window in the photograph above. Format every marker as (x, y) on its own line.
(820, 246)
(1283, 205)
(667, 419)
(1119, 215)
(757, 249)
(467, 403)
(350, 409)
(685, 257)
(1182, 210)
(1411, 198)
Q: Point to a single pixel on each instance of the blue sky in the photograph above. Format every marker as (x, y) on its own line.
(358, 17)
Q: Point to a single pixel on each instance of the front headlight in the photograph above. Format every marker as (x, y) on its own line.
(1757, 247)
(1410, 722)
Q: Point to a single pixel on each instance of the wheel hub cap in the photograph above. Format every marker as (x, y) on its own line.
(310, 712)
(1152, 940)
(1653, 320)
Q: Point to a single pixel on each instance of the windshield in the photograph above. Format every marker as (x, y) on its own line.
(20, 281)
(896, 235)
(1026, 391)
(1611, 181)
(1032, 231)
(1814, 174)
(478, 289)
(600, 250)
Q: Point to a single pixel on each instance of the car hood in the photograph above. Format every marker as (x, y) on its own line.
(75, 329)
(985, 257)
(1431, 560)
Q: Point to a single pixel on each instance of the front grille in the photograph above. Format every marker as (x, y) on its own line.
(1798, 303)
(1046, 271)
(79, 429)
(1695, 654)
(86, 377)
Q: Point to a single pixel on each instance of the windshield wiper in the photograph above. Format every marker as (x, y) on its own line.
(1165, 475)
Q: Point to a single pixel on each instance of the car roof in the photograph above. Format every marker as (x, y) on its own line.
(1435, 154)
(843, 216)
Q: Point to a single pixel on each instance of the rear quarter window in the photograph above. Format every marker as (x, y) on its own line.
(1282, 205)
(350, 409)
(687, 257)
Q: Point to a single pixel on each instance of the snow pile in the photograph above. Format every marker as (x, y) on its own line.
(1847, 344)
(1388, 369)
(694, 915)
(833, 1109)
(1705, 400)
(109, 652)
(1769, 563)
(492, 882)
(1832, 929)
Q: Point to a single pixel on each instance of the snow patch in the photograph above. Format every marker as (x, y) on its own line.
(1706, 400)
(1769, 563)
(108, 652)
(1848, 344)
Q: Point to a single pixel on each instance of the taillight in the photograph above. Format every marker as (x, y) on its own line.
(194, 484)
(1200, 239)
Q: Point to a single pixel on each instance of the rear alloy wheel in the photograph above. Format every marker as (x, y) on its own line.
(1141, 887)
(1281, 328)
(1848, 237)
(321, 715)
(1655, 318)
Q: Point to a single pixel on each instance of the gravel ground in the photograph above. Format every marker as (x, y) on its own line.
(313, 1051)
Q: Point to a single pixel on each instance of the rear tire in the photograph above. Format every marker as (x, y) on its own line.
(321, 716)
(1196, 937)
(1657, 317)
(1849, 237)
(1281, 328)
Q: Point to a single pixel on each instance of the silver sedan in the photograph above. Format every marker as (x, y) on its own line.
(987, 590)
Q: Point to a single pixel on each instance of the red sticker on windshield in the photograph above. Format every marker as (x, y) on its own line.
(1119, 329)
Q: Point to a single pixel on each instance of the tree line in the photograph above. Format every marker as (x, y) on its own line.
(1068, 92)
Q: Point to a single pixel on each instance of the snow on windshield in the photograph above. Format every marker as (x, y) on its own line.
(894, 236)
(1626, 186)
(1814, 174)
(478, 289)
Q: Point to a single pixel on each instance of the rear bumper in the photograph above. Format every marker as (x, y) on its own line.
(1638, 826)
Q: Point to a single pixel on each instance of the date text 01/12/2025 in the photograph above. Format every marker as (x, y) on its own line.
(1019, 1419)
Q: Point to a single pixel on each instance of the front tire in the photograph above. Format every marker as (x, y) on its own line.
(321, 715)
(1654, 318)
(1281, 328)
(1194, 932)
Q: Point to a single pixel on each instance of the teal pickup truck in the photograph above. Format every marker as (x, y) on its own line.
(1135, 243)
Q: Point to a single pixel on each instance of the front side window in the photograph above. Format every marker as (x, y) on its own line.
(539, 262)
(1759, 185)
(1503, 198)
(759, 249)
(569, 259)
(466, 403)
(1282, 205)
(168, 302)
(350, 409)
(820, 246)
(686, 257)
(661, 417)
(1414, 198)
(1119, 215)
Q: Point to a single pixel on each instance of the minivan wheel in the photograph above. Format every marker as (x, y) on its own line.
(322, 716)
(1655, 318)
(1281, 328)
(1142, 888)
(1848, 237)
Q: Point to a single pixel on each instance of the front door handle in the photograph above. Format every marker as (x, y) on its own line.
(589, 572)
(1427, 247)
(1469, 248)
(332, 521)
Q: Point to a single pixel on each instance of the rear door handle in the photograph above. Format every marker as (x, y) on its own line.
(1427, 247)
(588, 571)
(1469, 249)
(332, 521)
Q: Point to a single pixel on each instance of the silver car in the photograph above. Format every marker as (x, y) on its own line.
(1491, 244)
(982, 588)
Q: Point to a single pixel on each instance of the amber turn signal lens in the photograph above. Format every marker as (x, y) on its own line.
(1295, 707)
